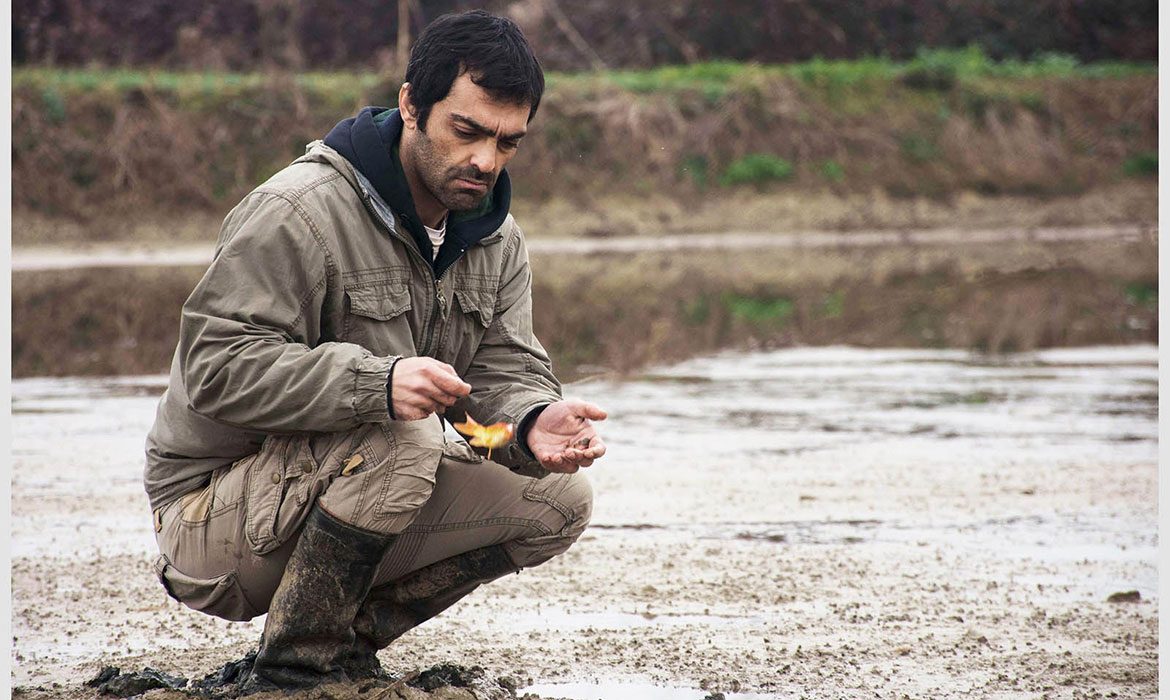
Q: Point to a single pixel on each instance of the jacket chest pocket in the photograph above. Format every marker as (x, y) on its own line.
(472, 314)
(377, 318)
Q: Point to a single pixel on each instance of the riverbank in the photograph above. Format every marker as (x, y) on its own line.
(616, 307)
(827, 522)
(950, 135)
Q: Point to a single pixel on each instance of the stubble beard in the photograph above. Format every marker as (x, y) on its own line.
(440, 178)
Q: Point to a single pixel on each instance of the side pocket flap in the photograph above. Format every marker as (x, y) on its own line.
(479, 303)
(460, 451)
(381, 302)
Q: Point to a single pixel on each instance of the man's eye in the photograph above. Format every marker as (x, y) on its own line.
(509, 145)
(465, 134)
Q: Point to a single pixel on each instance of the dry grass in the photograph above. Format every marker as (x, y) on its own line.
(874, 153)
(825, 210)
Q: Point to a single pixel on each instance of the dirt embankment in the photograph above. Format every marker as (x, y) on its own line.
(600, 312)
(98, 155)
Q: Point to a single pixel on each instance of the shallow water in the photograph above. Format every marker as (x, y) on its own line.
(826, 447)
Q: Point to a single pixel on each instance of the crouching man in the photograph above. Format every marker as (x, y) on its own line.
(298, 465)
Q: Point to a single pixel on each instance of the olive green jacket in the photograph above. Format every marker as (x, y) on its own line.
(314, 291)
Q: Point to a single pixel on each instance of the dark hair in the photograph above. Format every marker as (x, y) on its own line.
(491, 49)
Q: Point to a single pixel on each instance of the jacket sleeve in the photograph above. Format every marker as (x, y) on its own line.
(510, 373)
(249, 347)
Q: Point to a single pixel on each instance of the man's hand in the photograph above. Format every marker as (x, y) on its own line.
(421, 386)
(562, 437)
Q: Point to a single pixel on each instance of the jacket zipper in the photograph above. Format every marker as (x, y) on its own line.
(440, 309)
(440, 301)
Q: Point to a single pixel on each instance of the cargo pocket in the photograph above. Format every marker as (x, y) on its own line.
(220, 596)
(412, 452)
(277, 486)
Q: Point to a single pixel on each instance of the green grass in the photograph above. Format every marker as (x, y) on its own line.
(1142, 165)
(756, 169)
(1140, 293)
(695, 168)
(930, 69)
(832, 171)
(759, 310)
(834, 304)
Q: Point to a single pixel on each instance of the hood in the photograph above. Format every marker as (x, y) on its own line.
(369, 142)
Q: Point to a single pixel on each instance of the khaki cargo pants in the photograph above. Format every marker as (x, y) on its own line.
(224, 547)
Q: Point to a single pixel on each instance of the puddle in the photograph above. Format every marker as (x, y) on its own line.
(630, 691)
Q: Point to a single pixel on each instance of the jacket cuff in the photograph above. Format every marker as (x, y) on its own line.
(389, 382)
(370, 388)
(525, 425)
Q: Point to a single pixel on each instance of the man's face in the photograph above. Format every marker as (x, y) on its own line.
(469, 138)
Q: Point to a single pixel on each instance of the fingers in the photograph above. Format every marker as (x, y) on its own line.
(590, 448)
(571, 459)
(423, 385)
(589, 411)
(415, 407)
(445, 379)
(595, 451)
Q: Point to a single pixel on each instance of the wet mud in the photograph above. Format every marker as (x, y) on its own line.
(823, 523)
(446, 680)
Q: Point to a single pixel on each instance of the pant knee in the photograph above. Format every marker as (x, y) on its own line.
(382, 481)
(569, 498)
(578, 496)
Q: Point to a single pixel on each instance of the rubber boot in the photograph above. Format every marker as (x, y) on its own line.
(399, 606)
(309, 630)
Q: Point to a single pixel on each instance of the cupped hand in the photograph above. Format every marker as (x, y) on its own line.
(563, 437)
(421, 386)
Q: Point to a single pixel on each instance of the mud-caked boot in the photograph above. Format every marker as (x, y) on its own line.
(309, 630)
(399, 606)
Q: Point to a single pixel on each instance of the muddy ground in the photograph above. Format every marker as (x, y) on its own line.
(821, 523)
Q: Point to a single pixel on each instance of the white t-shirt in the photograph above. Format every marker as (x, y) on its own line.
(436, 235)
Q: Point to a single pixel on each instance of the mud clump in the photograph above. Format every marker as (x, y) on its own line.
(230, 674)
(472, 679)
(446, 681)
(1125, 597)
(111, 681)
(448, 674)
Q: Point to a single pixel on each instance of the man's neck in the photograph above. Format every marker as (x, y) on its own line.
(429, 209)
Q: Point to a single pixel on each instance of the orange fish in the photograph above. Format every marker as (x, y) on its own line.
(489, 436)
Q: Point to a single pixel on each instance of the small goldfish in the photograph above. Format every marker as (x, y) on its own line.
(489, 436)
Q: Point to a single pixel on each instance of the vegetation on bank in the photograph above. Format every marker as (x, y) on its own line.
(91, 145)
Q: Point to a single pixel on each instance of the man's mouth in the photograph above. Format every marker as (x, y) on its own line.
(466, 184)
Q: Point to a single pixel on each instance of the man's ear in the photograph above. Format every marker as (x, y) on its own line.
(406, 107)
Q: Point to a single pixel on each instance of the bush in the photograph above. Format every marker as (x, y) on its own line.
(756, 168)
(1141, 165)
(832, 171)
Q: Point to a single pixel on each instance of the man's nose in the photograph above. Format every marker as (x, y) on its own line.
(484, 156)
